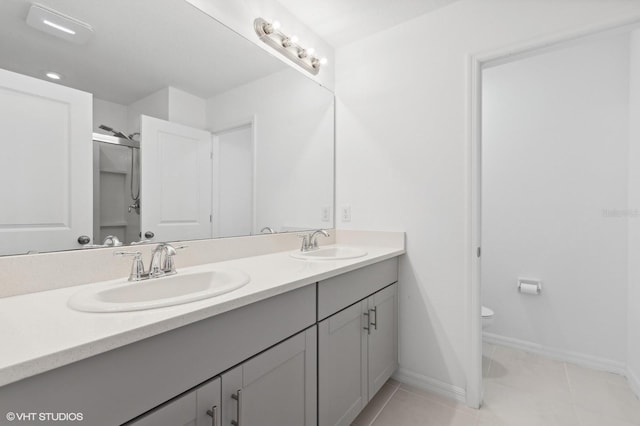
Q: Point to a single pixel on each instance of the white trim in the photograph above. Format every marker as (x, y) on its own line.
(430, 384)
(634, 382)
(577, 358)
(475, 64)
(474, 376)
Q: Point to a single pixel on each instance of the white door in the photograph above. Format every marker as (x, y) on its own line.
(233, 182)
(45, 166)
(175, 191)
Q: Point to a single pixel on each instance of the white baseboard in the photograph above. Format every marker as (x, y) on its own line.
(577, 358)
(634, 382)
(430, 384)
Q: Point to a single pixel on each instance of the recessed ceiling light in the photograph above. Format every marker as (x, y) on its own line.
(58, 27)
(54, 75)
(57, 24)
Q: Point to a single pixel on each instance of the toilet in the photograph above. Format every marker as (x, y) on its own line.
(487, 317)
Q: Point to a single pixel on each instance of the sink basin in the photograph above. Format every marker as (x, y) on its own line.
(183, 287)
(330, 253)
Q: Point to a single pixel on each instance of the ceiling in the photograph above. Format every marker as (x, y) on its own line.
(341, 22)
(138, 47)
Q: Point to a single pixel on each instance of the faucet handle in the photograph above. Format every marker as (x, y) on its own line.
(137, 268)
(305, 242)
(169, 264)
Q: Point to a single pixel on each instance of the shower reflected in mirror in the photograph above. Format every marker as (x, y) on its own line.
(116, 187)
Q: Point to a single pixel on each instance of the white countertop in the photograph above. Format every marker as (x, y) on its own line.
(39, 332)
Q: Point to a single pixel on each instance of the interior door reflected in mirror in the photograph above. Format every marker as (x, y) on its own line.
(259, 152)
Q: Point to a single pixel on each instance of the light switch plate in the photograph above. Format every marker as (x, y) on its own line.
(346, 214)
(326, 214)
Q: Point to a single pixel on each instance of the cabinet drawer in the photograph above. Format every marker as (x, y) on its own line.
(339, 292)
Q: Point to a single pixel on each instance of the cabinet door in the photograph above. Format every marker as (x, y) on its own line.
(383, 340)
(342, 366)
(276, 388)
(195, 408)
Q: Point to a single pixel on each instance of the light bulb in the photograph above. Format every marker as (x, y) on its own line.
(323, 61)
(294, 39)
(53, 75)
(276, 25)
(310, 51)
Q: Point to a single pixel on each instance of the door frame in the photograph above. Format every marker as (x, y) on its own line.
(252, 122)
(476, 62)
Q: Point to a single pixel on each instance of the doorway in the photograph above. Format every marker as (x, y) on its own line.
(233, 181)
(478, 65)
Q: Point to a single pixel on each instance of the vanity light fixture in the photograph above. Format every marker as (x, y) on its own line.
(58, 24)
(287, 46)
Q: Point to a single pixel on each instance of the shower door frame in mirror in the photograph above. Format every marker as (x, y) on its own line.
(233, 81)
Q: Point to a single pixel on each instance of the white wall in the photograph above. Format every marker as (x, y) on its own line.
(402, 158)
(294, 146)
(185, 108)
(110, 114)
(154, 105)
(633, 350)
(169, 104)
(554, 160)
(239, 16)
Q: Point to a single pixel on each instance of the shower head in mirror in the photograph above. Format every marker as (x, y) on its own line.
(113, 132)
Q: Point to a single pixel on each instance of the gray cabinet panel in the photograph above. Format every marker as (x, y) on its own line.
(342, 366)
(339, 292)
(188, 410)
(383, 340)
(116, 386)
(276, 388)
(357, 353)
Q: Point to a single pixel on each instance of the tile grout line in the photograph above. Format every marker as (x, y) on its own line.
(384, 405)
(574, 408)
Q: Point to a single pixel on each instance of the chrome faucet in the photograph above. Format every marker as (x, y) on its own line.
(161, 265)
(310, 241)
(162, 261)
(112, 241)
(313, 239)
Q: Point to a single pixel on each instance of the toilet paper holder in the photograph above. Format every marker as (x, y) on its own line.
(530, 286)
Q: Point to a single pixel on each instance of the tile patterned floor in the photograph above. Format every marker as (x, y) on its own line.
(521, 389)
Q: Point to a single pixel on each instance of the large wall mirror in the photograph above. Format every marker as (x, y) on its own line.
(133, 121)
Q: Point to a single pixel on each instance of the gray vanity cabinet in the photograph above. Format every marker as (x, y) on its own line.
(342, 366)
(357, 353)
(275, 388)
(195, 408)
(383, 340)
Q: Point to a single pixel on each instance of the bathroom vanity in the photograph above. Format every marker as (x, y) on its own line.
(304, 343)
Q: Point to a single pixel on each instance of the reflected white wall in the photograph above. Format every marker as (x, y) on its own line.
(633, 353)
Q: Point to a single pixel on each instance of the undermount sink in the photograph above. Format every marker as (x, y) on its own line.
(183, 287)
(329, 253)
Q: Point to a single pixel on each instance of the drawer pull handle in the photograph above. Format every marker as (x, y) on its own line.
(374, 324)
(214, 415)
(368, 327)
(237, 397)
